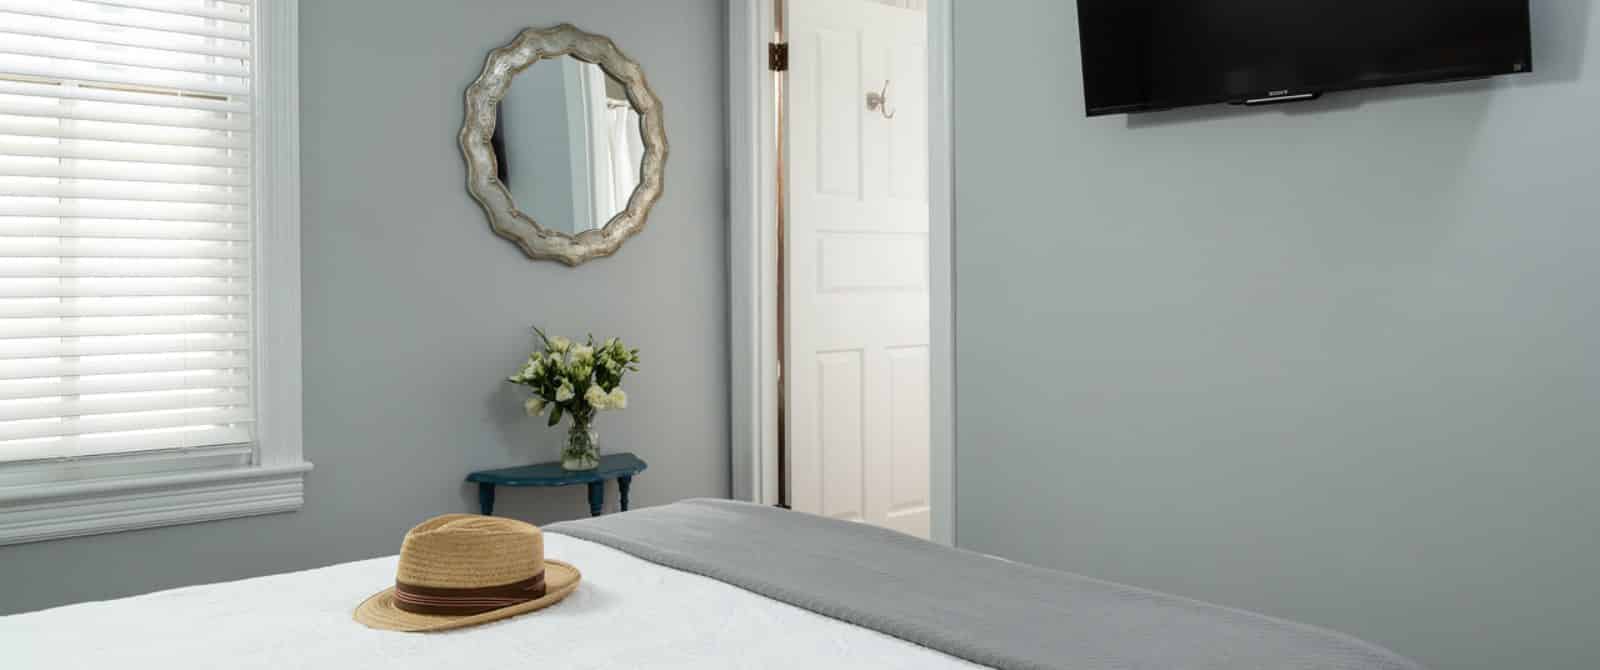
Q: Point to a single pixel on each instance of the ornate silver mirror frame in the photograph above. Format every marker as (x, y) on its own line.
(483, 102)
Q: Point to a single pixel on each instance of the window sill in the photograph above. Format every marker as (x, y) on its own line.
(56, 511)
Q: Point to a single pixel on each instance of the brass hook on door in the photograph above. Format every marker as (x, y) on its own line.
(879, 102)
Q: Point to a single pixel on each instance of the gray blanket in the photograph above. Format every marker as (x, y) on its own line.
(968, 605)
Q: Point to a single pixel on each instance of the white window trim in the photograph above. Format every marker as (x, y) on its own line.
(274, 481)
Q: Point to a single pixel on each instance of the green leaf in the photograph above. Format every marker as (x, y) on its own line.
(555, 416)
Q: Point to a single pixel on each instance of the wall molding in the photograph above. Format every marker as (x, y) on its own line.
(941, 269)
(752, 254)
(279, 405)
(57, 511)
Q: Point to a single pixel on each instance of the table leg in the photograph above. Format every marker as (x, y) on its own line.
(486, 499)
(622, 489)
(597, 497)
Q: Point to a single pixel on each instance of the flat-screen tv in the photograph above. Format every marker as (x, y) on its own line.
(1146, 55)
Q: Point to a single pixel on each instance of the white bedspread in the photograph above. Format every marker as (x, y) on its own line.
(628, 613)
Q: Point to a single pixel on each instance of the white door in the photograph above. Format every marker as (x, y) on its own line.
(857, 359)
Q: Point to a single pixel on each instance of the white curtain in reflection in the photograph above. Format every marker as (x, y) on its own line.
(615, 148)
(600, 170)
(624, 158)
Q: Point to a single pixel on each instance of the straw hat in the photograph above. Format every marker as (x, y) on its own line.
(462, 570)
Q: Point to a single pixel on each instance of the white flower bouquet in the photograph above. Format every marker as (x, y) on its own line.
(577, 381)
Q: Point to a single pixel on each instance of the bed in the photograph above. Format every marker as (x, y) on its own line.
(702, 584)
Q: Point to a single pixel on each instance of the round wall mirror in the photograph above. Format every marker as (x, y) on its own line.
(564, 144)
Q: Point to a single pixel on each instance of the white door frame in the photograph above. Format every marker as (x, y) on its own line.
(752, 245)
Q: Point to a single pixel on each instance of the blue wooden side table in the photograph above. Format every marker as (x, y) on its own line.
(621, 467)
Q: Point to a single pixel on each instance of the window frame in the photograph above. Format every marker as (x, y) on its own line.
(211, 484)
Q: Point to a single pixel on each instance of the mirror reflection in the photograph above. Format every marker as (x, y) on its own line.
(568, 145)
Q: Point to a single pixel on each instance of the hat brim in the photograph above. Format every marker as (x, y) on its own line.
(379, 611)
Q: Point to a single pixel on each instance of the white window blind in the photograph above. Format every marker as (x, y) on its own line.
(125, 226)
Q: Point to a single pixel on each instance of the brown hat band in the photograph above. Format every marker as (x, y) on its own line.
(463, 602)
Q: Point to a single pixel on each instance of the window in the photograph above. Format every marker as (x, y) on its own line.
(149, 327)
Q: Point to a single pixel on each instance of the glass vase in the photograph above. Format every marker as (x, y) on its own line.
(583, 448)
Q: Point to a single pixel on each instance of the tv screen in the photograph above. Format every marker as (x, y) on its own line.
(1144, 55)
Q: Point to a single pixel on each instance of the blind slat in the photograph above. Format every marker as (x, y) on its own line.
(157, 102)
(122, 287)
(120, 325)
(130, 192)
(24, 126)
(125, 37)
(79, 51)
(119, 267)
(79, 407)
(136, 383)
(131, 153)
(105, 445)
(116, 423)
(57, 108)
(113, 365)
(77, 10)
(226, 11)
(81, 308)
(110, 209)
(51, 68)
(80, 189)
(112, 346)
(112, 171)
(121, 229)
(15, 247)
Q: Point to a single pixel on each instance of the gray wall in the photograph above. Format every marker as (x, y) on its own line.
(414, 310)
(1334, 362)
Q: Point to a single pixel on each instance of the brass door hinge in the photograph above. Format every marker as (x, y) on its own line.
(778, 57)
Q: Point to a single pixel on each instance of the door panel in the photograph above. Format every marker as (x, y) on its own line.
(837, 55)
(909, 426)
(852, 261)
(858, 265)
(840, 402)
